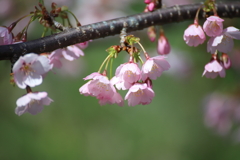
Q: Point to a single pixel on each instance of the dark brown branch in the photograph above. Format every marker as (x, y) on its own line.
(113, 27)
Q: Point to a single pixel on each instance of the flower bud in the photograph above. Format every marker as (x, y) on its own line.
(163, 45)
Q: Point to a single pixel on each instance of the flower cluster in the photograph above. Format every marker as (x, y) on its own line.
(128, 76)
(221, 40)
(29, 70)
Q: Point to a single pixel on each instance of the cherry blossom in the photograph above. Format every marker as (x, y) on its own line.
(224, 42)
(139, 94)
(82, 45)
(55, 61)
(70, 53)
(154, 67)
(194, 35)
(163, 45)
(6, 36)
(213, 26)
(100, 87)
(213, 69)
(126, 74)
(28, 70)
(32, 102)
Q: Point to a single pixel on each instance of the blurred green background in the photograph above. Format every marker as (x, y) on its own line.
(77, 127)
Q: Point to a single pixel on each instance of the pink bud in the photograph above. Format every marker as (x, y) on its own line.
(226, 61)
(163, 45)
(151, 33)
(151, 6)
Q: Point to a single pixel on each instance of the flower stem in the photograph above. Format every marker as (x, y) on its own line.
(103, 63)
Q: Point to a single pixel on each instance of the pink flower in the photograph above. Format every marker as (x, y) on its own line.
(194, 35)
(6, 36)
(127, 74)
(55, 61)
(154, 67)
(28, 70)
(70, 53)
(163, 45)
(139, 94)
(213, 69)
(55, 58)
(32, 103)
(224, 42)
(100, 87)
(82, 45)
(213, 26)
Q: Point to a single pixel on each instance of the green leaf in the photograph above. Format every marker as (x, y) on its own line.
(131, 39)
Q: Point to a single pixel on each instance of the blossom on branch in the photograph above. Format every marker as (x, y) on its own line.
(100, 87)
(32, 102)
(194, 35)
(154, 67)
(213, 69)
(139, 93)
(70, 53)
(29, 70)
(6, 36)
(213, 26)
(127, 74)
(224, 42)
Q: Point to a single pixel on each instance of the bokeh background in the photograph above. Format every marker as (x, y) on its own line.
(172, 127)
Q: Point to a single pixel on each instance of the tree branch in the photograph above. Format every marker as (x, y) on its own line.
(112, 27)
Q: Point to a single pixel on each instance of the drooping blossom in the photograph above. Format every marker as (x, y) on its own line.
(100, 87)
(127, 74)
(213, 69)
(32, 102)
(213, 26)
(28, 70)
(224, 42)
(55, 61)
(163, 45)
(139, 94)
(70, 53)
(154, 67)
(194, 35)
(6, 36)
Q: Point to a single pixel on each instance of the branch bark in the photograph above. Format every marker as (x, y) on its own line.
(112, 27)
